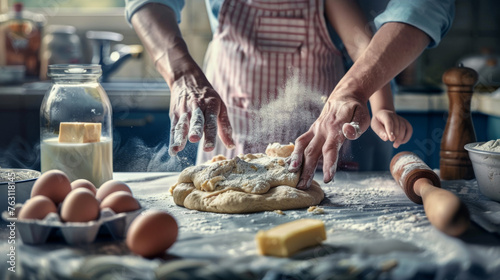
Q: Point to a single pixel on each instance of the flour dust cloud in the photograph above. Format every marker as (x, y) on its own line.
(288, 116)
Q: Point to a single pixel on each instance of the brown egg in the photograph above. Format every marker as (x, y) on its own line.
(37, 208)
(152, 233)
(53, 184)
(111, 186)
(82, 183)
(120, 201)
(80, 206)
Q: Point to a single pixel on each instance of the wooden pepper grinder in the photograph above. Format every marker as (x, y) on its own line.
(454, 163)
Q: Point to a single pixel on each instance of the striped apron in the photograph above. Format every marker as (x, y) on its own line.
(273, 64)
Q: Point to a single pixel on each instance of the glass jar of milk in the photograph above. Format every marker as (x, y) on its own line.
(75, 124)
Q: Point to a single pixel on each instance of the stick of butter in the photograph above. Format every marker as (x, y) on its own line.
(92, 132)
(71, 132)
(79, 132)
(286, 239)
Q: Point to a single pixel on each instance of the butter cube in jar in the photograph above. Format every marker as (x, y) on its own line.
(76, 125)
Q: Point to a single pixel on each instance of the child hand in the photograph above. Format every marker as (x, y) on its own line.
(390, 126)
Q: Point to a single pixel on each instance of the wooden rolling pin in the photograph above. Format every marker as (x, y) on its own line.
(443, 209)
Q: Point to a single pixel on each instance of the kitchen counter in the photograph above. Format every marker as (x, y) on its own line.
(373, 231)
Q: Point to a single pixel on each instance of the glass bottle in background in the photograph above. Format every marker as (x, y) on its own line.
(21, 39)
(76, 101)
(60, 45)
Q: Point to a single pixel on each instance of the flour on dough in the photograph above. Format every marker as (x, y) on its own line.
(246, 183)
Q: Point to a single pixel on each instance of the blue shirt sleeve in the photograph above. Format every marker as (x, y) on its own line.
(131, 6)
(431, 16)
(213, 9)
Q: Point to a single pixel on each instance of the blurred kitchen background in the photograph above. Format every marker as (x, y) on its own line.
(140, 98)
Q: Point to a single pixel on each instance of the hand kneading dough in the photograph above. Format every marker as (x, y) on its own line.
(247, 183)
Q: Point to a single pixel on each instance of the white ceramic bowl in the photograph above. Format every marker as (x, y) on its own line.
(19, 181)
(486, 165)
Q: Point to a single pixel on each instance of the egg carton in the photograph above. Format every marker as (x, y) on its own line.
(36, 232)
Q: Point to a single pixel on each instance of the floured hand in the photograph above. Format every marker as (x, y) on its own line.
(326, 136)
(196, 110)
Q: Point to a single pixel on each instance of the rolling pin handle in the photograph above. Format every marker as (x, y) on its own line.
(443, 208)
(421, 185)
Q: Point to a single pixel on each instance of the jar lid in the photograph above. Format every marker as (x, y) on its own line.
(64, 29)
(18, 7)
(72, 70)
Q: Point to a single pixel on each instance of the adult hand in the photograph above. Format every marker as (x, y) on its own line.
(326, 135)
(390, 126)
(197, 109)
(392, 48)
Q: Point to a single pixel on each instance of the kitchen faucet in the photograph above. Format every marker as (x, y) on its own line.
(102, 54)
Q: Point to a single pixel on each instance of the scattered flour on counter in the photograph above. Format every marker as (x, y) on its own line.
(405, 222)
(394, 224)
(490, 146)
(374, 191)
(210, 229)
(279, 212)
(377, 181)
(349, 224)
(152, 199)
(375, 195)
(316, 210)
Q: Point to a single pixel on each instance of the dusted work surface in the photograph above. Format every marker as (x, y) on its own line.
(373, 231)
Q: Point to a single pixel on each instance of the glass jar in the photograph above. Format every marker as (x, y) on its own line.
(73, 111)
(60, 45)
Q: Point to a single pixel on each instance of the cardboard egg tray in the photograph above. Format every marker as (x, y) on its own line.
(35, 232)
